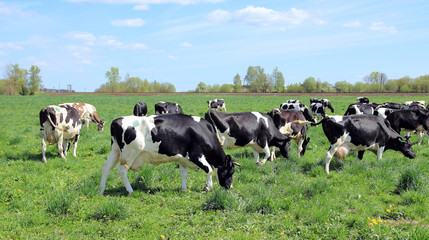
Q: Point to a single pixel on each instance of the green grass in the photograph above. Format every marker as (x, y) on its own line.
(288, 198)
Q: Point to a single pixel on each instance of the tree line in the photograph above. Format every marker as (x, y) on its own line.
(132, 84)
(20, 81)
(256, 80)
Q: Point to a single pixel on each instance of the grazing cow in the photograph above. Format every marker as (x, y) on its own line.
(383, 112)
(361, 108)
(59, 124)
(421, 103)
(362, 100)
(87, 113)
(292, 123)
(140, 109)
(167, 107)
(410, 120)
(318, 107)
(190, 141)
(363, 132)
(297, 105)
(392, 105)
(252, 129)
(217, 104)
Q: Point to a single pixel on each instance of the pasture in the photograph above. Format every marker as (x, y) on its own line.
(288, 198)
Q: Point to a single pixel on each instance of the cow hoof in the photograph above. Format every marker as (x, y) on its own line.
(206, 188)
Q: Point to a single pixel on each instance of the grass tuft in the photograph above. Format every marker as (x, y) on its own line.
(220, 200)
(111, 210)
(410, 179)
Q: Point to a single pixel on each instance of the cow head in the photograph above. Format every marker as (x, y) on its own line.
(403, 145)
(327, 103)
(100, 126)
(225, 172)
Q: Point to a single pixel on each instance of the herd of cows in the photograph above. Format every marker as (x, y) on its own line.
(195, 142)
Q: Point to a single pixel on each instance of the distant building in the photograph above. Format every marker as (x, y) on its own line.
(52, 90)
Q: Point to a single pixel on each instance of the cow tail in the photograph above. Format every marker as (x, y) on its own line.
(49, 116)
(300, 122)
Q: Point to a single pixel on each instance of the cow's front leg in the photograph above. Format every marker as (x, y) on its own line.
(421, 133)
(60, 146)
(107, 167)
(380, 153)
(183, 175)
(123, 173)
(266, 150)
(256, 156)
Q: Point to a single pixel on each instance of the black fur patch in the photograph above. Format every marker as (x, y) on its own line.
(116, 132)
(130, 135)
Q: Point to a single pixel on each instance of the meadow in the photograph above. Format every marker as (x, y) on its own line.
(288, 198)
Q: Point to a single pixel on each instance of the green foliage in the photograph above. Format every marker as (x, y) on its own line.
(111, 210)
(220, 200)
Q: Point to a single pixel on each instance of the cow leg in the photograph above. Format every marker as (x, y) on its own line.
(43, 136)
(380, 153)
(87, 123)
(122, 170)
(256, 156)
(183, 175)
(107, 167)
(267, 154)
(359, 156)
(60, 140)
(273, 154)
(299, 146)
(76, 139)
(66, 145)
(329, 156)
(421, 134)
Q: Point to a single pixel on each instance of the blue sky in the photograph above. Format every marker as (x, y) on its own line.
(185, 42)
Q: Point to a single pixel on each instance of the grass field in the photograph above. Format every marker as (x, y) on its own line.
(288, 198)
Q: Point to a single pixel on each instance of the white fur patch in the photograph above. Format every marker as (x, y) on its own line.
(259, 116)
(196, 119)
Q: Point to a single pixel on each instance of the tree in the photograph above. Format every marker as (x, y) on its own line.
(310, 85)
(113, 79)
(35, 80)
(133, 84)
(227, 88)
(251, 76)
(202, 87)
(342, 86)
(279, 81)
(237, 83)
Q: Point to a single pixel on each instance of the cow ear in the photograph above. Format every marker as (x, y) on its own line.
(236, 163)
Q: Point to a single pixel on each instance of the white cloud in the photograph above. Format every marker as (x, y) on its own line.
(146, 2)
(141, 7)
(88, 38)
(186, 44)
(261, 16)
(14, 11)
(354, 24)
(101, 41)
(86, 62)
(171, 57)
(10, 46)
(137, 22)
(381, 27)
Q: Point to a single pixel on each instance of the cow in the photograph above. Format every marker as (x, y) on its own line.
(421, 103)
(88, 113)
(383, 112)
(252, 129)
(297, 105)
(218, 104)
(140, 109)
(410, 120)
(360, 133)
(361, 108)
(59, 124)
(167, 107)
(362, 100)
(191, 141)
(292, 123)
(318, 107)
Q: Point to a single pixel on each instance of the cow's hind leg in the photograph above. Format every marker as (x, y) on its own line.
(76, 139)
(329, 156)
(108, 166)
(183, 175)
(43, 137)
(273, 154)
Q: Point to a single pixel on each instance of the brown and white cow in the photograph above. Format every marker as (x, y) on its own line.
(293, 124)
(87, 113)
(61, 125)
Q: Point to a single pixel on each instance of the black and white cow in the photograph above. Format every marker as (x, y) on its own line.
(318, 107)
(59, 124)
(140, 109)
(360, 133)
(293, 124)
(297, 105)
(421, 103)
(361, 108)
(167, 107)
(191, 141)
(410, 120)
(217, 104)
(252, 129)
(362, 100)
